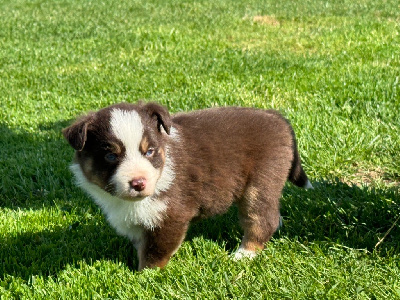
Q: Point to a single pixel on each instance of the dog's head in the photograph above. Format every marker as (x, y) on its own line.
(121, 148)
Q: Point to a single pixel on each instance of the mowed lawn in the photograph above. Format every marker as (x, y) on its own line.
(331, 67)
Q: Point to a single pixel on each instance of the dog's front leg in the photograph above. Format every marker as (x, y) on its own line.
(160, 244)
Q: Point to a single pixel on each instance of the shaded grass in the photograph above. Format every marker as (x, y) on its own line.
(332, 68)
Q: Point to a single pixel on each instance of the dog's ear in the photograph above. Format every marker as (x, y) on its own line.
(76, 134)
(160, 113)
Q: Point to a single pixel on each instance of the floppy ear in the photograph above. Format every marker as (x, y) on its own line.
(76, 134)
(159, 112)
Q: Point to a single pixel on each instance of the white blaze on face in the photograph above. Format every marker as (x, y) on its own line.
(128, 128)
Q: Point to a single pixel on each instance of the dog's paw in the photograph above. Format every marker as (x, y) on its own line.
(242, 253)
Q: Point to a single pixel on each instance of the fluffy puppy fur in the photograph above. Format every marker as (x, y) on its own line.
(152, 173)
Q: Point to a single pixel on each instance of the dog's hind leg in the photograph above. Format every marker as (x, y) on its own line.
(259, 217)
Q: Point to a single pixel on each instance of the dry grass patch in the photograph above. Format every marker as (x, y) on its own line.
(371, 177)
(266, 20)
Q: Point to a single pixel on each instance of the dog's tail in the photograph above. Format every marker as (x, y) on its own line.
(297, 175)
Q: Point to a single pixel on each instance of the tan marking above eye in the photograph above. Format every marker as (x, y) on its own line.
(114, 148)
(162, 153)
(144, 145)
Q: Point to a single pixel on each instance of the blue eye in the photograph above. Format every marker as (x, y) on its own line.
(111, 157)
(149, 152)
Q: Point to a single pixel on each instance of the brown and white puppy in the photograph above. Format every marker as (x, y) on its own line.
(152, 174)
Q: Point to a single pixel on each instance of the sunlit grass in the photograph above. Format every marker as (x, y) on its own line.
(332, 68)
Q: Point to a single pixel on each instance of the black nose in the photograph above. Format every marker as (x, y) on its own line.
(138, 184)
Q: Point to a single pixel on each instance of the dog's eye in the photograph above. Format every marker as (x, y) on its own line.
(150, 152)
(111, 157)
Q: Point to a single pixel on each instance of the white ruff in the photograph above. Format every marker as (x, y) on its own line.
(125, 216)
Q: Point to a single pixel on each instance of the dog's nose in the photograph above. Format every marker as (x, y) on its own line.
(138, 184)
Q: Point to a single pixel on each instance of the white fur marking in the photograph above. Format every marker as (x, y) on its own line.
(308, 185)
(174, 134)
(125, 216)
(243, 253)
(128, 128)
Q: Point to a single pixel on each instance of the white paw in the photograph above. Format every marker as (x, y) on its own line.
(243, 253)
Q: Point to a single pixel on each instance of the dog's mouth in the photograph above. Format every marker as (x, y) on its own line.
(133, 195)
(127, 194)
(130, 194)
(133, 199)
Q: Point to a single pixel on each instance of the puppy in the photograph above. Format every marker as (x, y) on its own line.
(152, 173)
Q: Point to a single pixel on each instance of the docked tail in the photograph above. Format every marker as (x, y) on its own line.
(297, 175)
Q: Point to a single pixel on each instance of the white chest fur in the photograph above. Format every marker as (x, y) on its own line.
(128, 218)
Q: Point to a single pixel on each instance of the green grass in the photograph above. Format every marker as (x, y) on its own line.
(331, 67)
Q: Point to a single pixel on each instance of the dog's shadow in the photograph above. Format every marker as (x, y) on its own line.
(346, 214)
(36, 176)
(359, 217)
(50, 251)
(34, 166)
